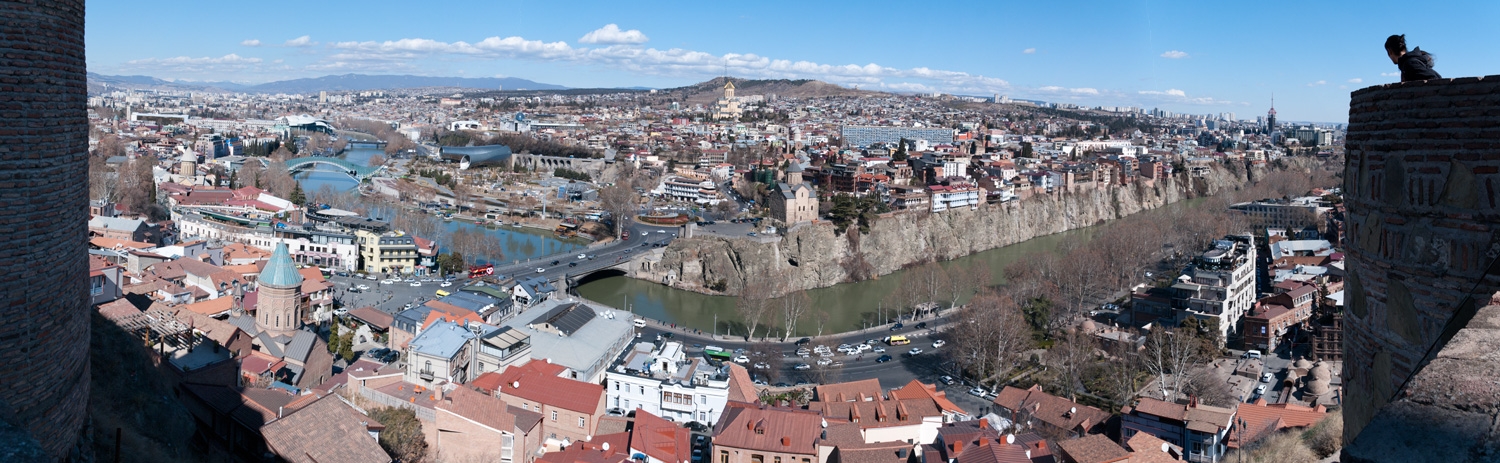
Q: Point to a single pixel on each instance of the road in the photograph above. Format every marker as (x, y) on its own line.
(643, 238)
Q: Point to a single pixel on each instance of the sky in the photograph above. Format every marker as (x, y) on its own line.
(1184, 56)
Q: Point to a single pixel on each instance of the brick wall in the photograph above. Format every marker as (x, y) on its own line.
(44, 314)
(1421, 181)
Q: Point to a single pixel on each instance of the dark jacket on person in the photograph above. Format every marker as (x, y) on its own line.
(1416, 65)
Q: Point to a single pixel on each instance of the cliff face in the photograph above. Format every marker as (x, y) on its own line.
(811, 255)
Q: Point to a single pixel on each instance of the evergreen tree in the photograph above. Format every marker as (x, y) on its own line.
(298, 197)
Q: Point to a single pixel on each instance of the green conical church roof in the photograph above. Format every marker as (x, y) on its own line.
(280, 271)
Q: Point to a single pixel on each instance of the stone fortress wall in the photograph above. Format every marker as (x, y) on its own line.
(44, 314)
(1422, 185)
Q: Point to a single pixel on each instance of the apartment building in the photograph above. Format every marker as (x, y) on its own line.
(1219, 284)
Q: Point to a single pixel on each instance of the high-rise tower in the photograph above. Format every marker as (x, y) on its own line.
(278, 311)
(1271, 116)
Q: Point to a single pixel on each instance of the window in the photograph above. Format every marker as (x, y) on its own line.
(580, 422)
(507, 446)
(777, 460)
(703, 398)
(617, 385)
(757, 458)
(643, 389)
(723, 456)
(554, 415)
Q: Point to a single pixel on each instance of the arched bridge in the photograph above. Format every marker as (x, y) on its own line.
(353, 170)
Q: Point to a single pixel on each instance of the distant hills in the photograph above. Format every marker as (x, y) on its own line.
(699, 93)
(346, 82)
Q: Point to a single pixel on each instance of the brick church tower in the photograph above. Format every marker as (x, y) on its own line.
(278, 311)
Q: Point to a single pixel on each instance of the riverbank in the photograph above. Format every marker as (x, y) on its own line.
(814, 256)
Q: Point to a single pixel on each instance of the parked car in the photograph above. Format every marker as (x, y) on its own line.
(804, 341)
(1265, 377)
(741, 359)
(416, 284)
(977, 391)
(883, 359)
(946, 379)
(802, 366)
(762, 366)
(1261, 389)
(825, 361)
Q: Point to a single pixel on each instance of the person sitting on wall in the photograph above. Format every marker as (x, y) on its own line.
(1415, 64)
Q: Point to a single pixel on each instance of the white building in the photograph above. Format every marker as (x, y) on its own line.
(1219, 284)
(955, 195)
(663, 381)
(688, 189)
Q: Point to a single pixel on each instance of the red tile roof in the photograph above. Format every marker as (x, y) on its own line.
(1093, 448)
(741, 387)
(1053, 410)
(660, 439)
(769, 429)
(326, 431)
(916, 390)
(537, 381)
(1255, 421)
(865, 389)
(480, 408)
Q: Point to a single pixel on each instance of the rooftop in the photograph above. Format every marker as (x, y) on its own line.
(443, 339)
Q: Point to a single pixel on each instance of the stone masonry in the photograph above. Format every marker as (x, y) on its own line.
(1421, 180)
(44, 319)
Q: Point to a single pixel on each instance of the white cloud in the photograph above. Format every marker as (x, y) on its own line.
(1169, 92)
(1174, 54)
(1029, 51)
(302, 41)
(1356, 80)
(251, 43)
(1315, 84)
(190, 65)
(1390, 74)
(611, 34)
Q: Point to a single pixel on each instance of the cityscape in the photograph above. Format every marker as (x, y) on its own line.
(342, 250)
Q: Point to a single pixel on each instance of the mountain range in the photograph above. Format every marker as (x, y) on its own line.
(346, 82)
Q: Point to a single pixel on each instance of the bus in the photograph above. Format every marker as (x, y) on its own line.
(717, 353)
(481, 270)
(897, 340)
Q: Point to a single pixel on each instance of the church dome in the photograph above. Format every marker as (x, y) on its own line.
(280, 271)
(1302, 363)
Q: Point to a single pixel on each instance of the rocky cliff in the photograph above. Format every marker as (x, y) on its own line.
(811, 255)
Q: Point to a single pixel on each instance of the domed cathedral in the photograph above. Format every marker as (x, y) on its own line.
(276, 328)
(278, 313)
(728, 107)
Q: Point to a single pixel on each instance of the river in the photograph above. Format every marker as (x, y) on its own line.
(519, 243)
(849, 306)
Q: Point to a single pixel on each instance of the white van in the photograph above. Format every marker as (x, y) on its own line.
(1252, 354)
(639, 322)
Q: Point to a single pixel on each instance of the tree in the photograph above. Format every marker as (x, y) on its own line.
(769, 354)
(103, 181)
(402, 438)
(451, 263)
(278, 180)
(138, 184)
(793, 306)
(250, 173)
(1171, 356)
(1072, 352)
(754, 301)
(900, 155)
(377, 160)
(620, 202)
(297, 196)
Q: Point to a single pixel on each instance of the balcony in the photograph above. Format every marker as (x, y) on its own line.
(426, 375)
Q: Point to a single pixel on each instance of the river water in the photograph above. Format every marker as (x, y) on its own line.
(849, 306)
(519, 243)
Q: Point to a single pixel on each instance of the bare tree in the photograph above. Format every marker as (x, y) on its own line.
(103, 181)
(251, 173)
(278, 179)
(767, 355)
(1071, 353)
(620, 202)
(377, 160)
(754, 301)
(793, 306)
(137, 184)
(1171, 357)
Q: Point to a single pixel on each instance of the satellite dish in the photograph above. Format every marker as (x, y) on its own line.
(606, 446)
(1010, 438)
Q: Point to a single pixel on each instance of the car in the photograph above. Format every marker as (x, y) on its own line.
(878, 349)
(897, 326)
(639, 322)
(938, 343)
(751, 234)
(583, 257)
(370, 277)
(363, 287)
(416, 284)
(783, 384)
(666, 335)
(977, 391)
(825, 361)
(1265, 378)
(1252, 354)
(802, 366)
(761, 382)
(762, 366)
(922, 325)
(914, 351)
(572, 264)
(1261, 389)
(946, 379)
(541, 270)
(883, 359)
(591, 256)
(804, 341)
(741, 359)
(445, 284)
(556, 262)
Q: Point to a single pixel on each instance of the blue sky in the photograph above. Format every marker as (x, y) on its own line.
(1197, 57)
